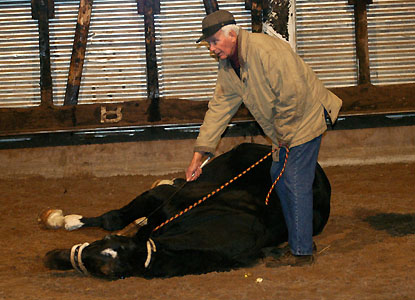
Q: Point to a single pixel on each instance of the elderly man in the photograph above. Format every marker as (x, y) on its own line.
(287, 100)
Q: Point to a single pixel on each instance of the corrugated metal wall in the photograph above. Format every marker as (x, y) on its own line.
(391, 31)
(115, 64)
(19, 55)
(115, 60)
(114, 69)
(186, 70)
(326, 40)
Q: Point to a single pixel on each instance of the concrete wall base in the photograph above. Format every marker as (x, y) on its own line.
(339, 147)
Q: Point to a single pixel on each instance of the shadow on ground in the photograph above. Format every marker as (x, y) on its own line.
(393, 223)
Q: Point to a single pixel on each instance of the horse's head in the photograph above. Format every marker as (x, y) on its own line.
(113, 257)
(116, 257)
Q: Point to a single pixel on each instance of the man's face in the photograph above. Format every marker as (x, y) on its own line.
(222, 46)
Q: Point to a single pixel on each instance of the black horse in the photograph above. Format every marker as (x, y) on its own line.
(226, 230)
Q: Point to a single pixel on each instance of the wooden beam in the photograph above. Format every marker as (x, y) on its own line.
(361, 36)
(256, 7)
(353, 2)
(210, 6)
(149, 8)
(153, 4)
(39, 4)
(42, 10)
(78, 52)
(360, 100)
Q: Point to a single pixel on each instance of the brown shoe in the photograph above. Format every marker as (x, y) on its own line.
(282, 256)
(289, 259)
(277, 252)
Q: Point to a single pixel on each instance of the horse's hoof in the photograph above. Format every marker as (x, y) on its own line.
(51, 218)
(73, 222)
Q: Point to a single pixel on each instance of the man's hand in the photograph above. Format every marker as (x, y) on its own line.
(194, 170)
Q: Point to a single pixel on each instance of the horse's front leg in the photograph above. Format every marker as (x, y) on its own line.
(142, 206)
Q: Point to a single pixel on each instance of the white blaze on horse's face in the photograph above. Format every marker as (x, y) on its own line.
(109, 252)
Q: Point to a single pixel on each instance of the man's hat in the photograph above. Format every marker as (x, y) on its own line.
(215, 21)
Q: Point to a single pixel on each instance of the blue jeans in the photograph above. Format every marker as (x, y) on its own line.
(295, 190)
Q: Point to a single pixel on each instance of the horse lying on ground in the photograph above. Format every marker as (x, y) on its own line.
(229, 230)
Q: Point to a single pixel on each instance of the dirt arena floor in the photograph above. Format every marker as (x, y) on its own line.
(366, 251)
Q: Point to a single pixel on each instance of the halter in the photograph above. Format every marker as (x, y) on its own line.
(151, 247)
(76, 258)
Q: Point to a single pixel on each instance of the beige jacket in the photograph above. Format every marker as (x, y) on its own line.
(280, 90)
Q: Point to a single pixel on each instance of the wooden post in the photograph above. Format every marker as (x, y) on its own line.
(256, 7)
(210, 6)
(362, 48)
(78, 52)
(42, 10)
(149, 8)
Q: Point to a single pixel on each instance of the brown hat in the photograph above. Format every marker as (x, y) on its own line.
(215, 21)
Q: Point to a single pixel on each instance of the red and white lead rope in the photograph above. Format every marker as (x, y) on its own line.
(279, 176)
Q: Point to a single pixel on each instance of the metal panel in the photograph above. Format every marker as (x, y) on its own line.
(19, 55)
(115, 62)
(114, 67)
(391, 30)
(326, 40)
(186, 70)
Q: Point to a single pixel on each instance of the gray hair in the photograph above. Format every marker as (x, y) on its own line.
(227, 28)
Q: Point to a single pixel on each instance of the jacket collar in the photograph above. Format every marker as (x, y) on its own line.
(242, 46)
